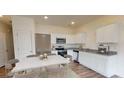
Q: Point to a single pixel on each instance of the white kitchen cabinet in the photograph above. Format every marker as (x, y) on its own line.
(80, 37)
(53, 38)
(70, 52)
(107, 34)
(100, 35)
(70, 39)
(23, 33)
(104, 65)
(54, 52)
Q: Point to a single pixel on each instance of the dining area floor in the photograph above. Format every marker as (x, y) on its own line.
(75, 71)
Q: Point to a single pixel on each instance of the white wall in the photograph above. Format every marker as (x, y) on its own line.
(49, 29)
(120, 63)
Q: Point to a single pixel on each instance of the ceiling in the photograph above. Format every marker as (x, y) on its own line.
(65, 20)
(58, 20)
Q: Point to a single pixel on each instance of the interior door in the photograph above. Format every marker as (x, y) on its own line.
(3, 56)
(24, 43)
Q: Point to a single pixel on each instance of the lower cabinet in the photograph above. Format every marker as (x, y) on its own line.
(54, 52)
(70, 52)
(99, 63)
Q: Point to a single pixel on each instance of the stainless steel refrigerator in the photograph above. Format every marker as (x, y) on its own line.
(42, 43)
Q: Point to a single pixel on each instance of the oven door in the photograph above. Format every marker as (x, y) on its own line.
(62, 53)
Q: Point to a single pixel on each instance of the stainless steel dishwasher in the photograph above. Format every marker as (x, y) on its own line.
(75, 55)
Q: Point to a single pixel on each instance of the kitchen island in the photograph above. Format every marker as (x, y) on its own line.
(35, 62)
(104, 64)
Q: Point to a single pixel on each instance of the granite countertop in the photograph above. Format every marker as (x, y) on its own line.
(72, 48)
(110, 53)
(68, 49)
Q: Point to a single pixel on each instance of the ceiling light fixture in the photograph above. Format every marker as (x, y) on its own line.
(72, 22)
(45, 17)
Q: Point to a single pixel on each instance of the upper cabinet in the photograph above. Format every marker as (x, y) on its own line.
(70, 38)
(76, 38)
(80, 38)
(107, 34)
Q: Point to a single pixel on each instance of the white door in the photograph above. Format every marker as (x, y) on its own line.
(24, 43)
(3, 56)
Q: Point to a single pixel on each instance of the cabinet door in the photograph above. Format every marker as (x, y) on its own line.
(82, 58)
(107, 34)
(83, 38)
(59, 35)
(70, 52)
(80, 37)
(100, 35)
(111, 33)
(54, 52)
(53, 38)
(100, 64)
(70, 39)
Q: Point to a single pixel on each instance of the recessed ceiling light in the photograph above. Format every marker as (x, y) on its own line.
(72, 22)
(45, 17)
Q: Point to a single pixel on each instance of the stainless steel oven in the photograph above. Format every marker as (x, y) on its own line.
(61, 51)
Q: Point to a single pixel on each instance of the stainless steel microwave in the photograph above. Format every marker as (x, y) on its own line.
(60, 40)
